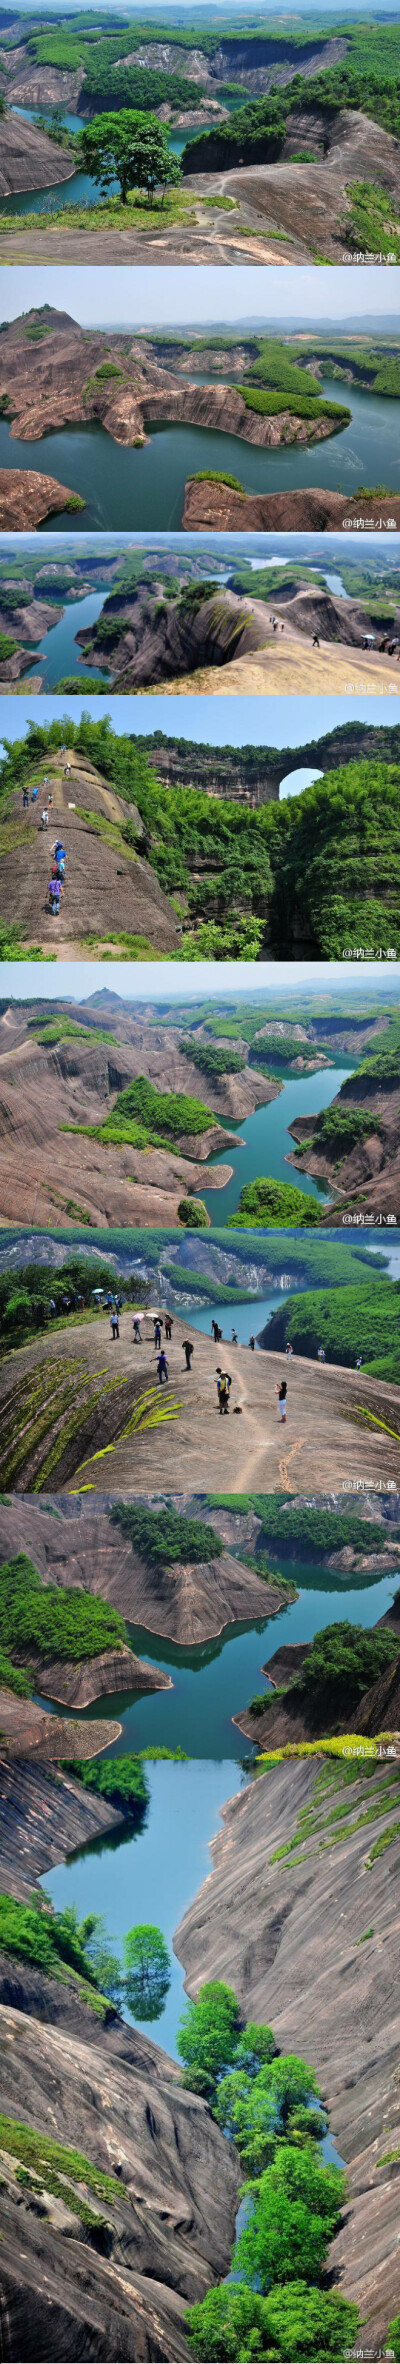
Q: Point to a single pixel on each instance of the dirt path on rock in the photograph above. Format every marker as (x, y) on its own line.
(328, 1441)
(108, 888)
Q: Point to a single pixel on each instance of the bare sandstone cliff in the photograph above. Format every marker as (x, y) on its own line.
(310, 1944)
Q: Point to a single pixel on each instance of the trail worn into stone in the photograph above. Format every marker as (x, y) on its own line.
(342, 1425)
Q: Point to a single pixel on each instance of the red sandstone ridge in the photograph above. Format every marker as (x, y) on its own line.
(216, 505)
(26, 498)
(29, 159)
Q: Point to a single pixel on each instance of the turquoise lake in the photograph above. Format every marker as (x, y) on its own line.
(127, 489)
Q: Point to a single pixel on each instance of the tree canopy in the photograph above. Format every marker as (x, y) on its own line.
(130, 147)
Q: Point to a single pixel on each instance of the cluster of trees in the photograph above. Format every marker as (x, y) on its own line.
(121, 1780)
(163, 1537)
(344, 1661)
(60, 1941)
(159, 1117)
(63, 1029)
(304, 1533)
(264, 1201)
(209, 1060)
(53, 1621)
(269, 2105)
(108, 85)
(27, 1297)
(339, 1128)
(360, 1319)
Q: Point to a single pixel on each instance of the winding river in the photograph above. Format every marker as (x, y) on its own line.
(267, 1142)
(127, 489)
(153, 1877)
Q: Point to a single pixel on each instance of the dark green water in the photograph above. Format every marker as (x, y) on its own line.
(267, 1141)
(155, 1876)
(126, 489)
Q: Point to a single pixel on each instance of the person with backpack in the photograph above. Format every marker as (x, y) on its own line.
(168, 1326)
(224, 1384)
(54, 894)
(162, 1367)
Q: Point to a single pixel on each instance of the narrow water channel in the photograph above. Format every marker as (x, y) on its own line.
(155, 1876)
(267, 1142)
(59, 653)
(124, 488)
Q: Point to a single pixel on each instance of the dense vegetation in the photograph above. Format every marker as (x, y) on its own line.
(305, 1533)
(343, 1662)
(108, 86)
(164, 1537)
(53, 1621)
(367, 79)
(121, 1780)
(141, 1114)
(51, 1941)
(347, 1322)
(209, 1060)
(323, 866)
(34, 1295)
(275, 2304)
(60, 1945)
(265, 1201)
(339, 1129)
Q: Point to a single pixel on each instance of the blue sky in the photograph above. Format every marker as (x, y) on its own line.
(136, 297)
(219, 722)
(73, 980)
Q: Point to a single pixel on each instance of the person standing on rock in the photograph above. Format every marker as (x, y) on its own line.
(25, 798)
(187, 1350)
(45, 818)
(281, 1392)
(168, 1326)
(234, 1338)
(162, 1367)
(252, 1344)
(54, 893)
(114, 1324)
(136, 1329)
(157, 1333)
(224, 1384)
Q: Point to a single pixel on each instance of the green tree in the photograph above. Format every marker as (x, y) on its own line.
(258, 2111)
(256, 2045)
(294, 2321)
(91, 1934)
(296, 2212)
(148, 1970)
(207, 2037)
(130, 147)
(393, 2335)
(193, 1212)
